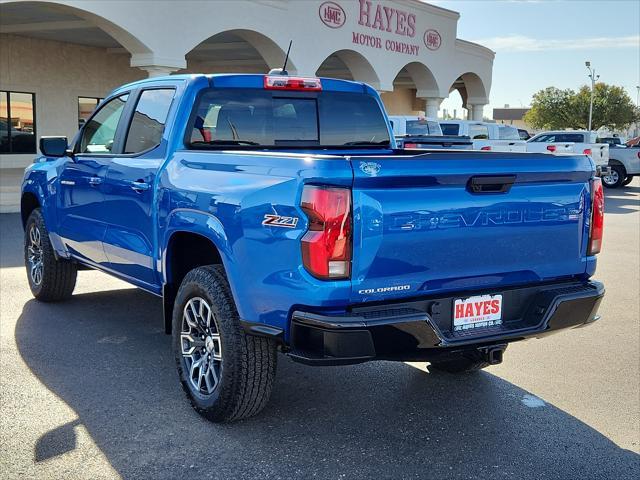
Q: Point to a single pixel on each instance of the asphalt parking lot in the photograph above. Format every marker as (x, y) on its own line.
(89, 390)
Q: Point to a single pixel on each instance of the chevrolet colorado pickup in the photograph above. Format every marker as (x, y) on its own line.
(274, 213)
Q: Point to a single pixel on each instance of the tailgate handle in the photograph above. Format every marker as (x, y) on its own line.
(491, 183)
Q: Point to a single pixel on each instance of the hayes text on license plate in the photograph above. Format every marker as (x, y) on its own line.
(477, 312)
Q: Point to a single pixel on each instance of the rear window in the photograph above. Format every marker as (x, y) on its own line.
(253, 117)
(423, 127)
(450, 128)
(508, 133)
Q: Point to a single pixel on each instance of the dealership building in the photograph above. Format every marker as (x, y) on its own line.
(58, 59)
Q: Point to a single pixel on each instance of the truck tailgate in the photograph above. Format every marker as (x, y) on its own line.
(419, 226)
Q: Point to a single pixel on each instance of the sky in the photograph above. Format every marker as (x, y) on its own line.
(542, 43)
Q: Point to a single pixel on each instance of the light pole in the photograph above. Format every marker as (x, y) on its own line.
(594, 78)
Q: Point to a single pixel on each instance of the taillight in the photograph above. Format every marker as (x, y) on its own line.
(486, 148)
(587, 151)
(597, 217)
(638, 154)
(551, 148)
(410, 145)
(326, 247)
(284, 82)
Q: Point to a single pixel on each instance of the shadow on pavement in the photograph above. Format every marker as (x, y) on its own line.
(11, 240)
(622, 200)
(106, 356)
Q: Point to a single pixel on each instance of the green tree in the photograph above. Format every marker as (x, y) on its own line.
(553, 108)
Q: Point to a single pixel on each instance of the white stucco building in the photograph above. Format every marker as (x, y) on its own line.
(57, 58)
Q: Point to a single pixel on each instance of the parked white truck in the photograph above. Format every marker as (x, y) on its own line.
(571, 141)
(624, 163)
(486, 136)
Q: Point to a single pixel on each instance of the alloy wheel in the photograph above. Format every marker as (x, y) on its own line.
(611, 179)
(34, 255)
(201, 346)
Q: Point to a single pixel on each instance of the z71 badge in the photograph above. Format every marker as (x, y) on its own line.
(280, 221)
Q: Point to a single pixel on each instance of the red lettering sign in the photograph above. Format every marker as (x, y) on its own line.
(332, 14)
(387, 18)
(432, 39)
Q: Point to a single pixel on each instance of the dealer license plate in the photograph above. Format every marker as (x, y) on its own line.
(481, 311)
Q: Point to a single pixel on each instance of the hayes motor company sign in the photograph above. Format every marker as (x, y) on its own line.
(375, 20)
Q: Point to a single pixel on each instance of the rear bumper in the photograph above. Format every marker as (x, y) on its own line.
(421, 330)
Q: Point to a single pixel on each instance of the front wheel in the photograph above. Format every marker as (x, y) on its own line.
(616, 178)
(51, 279)
(226, 374)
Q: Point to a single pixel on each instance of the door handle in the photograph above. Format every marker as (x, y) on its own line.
(140, 186)
(95, 181)
(491, 183)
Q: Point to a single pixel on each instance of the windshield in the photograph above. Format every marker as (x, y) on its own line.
(508, 133)
(253, 117)
(423, 127)
(450, 128)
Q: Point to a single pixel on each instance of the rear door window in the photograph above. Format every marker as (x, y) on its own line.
(149, 118)
(570, 137)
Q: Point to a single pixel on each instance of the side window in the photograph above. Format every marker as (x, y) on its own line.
(545, 139)
(99, 132)
(478, 132)
(148, 121)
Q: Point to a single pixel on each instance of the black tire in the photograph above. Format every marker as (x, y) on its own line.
(246, 369)
(627, 180)
(618, 175)
(459, 365)
(57, 277)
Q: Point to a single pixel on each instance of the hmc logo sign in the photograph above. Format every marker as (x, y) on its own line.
(432, 39)
(332, 14)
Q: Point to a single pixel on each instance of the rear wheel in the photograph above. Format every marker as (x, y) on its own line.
(615, 179)
(226, 374)
(50, 279)
(627, 180)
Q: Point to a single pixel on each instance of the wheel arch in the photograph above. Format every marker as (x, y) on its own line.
(193, 239)
(29, 201)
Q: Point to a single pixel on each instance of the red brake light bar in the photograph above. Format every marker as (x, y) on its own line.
(284, 82)
(551, 148)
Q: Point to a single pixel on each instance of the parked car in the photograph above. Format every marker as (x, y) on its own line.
(571, 141)
(486, 136)
(415, 132)
(274, 213)
(624, 163)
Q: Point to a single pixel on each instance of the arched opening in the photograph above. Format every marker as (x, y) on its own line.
(62, 23)
(466, 90)
(64, 61)
(237, 51)
(413, 84)
(348, 65)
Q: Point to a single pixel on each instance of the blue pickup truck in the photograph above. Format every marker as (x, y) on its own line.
(275, 213)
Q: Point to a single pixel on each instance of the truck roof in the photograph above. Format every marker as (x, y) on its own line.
(247, 80)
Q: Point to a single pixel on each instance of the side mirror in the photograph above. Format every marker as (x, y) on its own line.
(54, 146)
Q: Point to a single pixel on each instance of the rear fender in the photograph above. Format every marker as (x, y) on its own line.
(196, 222)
